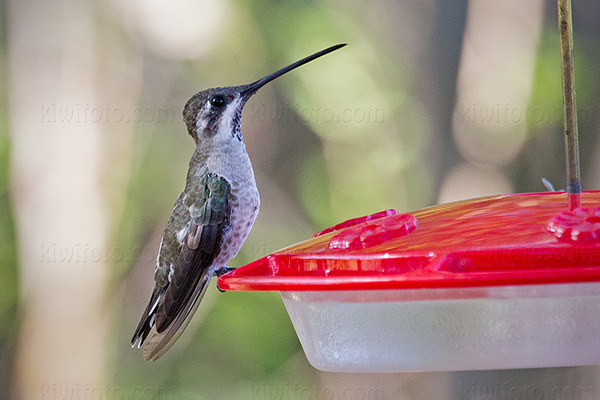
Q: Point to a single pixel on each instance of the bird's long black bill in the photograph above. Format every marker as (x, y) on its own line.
(253, 87)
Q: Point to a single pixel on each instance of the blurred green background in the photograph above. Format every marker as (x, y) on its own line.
(432, 101)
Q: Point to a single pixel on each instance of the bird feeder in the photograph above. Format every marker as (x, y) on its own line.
(508, 281)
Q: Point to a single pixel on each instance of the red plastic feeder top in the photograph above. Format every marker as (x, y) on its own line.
(499, 240)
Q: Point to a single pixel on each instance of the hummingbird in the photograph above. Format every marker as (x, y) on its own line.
(211, 218)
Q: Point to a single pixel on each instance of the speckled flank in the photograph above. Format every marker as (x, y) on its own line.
(245, 205)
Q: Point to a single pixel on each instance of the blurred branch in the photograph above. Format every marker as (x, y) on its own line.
(60, 215)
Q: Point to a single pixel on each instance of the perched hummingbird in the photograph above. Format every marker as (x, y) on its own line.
(212, 216)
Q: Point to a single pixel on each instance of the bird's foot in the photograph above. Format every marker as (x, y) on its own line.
(222, 271)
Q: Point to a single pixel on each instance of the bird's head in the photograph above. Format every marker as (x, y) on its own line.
(215, 114)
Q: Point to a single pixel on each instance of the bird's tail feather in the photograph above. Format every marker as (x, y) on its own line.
(145, 324)
(159, 343)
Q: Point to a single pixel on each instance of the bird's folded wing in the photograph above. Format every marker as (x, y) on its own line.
(191, 274)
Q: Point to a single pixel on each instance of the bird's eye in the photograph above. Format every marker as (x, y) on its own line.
(218, 101)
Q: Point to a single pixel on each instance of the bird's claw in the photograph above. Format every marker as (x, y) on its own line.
(222, 271)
